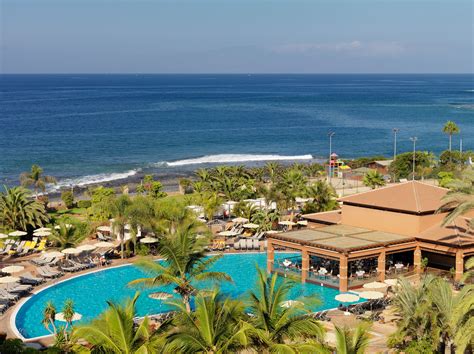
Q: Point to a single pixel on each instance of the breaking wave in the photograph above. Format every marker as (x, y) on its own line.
(229, 158)
(92, 179)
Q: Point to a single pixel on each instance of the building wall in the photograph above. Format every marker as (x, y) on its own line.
(399, 223)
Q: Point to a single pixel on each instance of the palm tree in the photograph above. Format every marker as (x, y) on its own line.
(460, 199)
(70, 235)
(118, 208)
(450, 128)
(114, 331)
(272, 169)
(49, 315)
(373, 179)
(18, 211)
(185, 263)
(245, 210)
(323, 197)
(276, 328)
(215, 326)
(469, 270)
(36, 179)
(352, 341)
(265, 218)
(293, 185)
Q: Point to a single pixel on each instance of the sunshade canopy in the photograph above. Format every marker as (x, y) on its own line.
(375, 285)
(17, 233)
(9, 279)
(149, 240)
(347, 298)
(71, 251)
(12, 269)
(371, 295)
(60, 317)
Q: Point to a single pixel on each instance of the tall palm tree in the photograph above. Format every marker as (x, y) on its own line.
(373, 179)
(215, 326)
(460, 199)
(118, 208)
(115, 332)
(185, 263)
(293, 185)
(450, 128)
(18, 211)
(277, 328)
(272, 169)
(49, 315)
(265, 218)
(354, 341)
(70, 235)
(36, 179)
(323, 197)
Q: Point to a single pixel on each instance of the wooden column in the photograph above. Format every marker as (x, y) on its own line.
(304, 265)
(417, 259)
(381, 266)
(343, 283)
(459, 265)
(270, 256)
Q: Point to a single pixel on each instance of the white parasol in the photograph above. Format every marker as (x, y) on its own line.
(17, 233)
(60, 317)
(12, 269)
(149, 240)
(374, 285)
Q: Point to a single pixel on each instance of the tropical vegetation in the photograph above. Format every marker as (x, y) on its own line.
(373, 179)
(36, 179)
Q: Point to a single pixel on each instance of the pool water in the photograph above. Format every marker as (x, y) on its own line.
(91, 291)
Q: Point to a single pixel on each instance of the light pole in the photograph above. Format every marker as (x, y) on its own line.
(414, 139)
(330, 135)
(395, 131)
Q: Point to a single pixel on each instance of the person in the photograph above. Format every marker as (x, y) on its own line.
(103, 260)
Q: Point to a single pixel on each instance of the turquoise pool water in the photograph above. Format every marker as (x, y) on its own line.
(90, 292)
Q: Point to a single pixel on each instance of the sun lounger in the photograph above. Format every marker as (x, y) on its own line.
(8, 296)
(256, 244)
(18, 288)
(48, 273)
(3, 308)
(28, 278)
(237, 245)
(7, 249)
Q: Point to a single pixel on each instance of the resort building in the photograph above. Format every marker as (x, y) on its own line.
(377, 234)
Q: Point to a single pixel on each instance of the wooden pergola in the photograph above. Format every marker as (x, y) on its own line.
(342, 243)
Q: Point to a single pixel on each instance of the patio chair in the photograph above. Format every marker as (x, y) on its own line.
(256, 244)
(28, 278)
(248, 244)
(237, 245)
(243, 244)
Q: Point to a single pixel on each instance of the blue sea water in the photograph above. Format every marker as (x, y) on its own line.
(84, 128)
(90, 292)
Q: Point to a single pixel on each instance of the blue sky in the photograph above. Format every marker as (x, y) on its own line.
(236, 36)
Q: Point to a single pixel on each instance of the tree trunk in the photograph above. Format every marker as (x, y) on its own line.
(186, 303)
(121, 246)
(450, 139)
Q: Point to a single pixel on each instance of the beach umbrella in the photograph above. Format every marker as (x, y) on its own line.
(3, 235)
(287, 263)
(87, 247)
(228, 233)
(346, 298)
(371, 295)
(12, 269)
(149, 240)
(240, 220)
(17, 233)
(391, 282)
(41, 229)
(104, 244)
(290, 303)
(60, 317)
(160, 296)
(272, 232)
(71, 251)
(287, 223)
(9, 280)
(41, 233)
(68, 226)
(251, 226)
(53, 254)
(303, 222)
(374, 285)
(104, 229)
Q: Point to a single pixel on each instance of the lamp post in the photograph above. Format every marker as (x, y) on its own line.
(330, 135)
(414, 139)
(395, 131)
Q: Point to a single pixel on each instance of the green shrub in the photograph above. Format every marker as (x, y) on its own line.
(84, 204)
(68, 199)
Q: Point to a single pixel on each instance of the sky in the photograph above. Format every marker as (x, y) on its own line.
(236, 36)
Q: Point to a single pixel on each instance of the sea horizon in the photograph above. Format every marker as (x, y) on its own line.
(100, 127)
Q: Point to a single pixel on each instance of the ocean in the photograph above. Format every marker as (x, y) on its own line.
(96, 128)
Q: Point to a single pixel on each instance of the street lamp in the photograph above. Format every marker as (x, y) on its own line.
(395, 131)
(330, 135)
(414, 139)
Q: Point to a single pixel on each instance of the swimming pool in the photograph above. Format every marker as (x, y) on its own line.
(91, 291)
